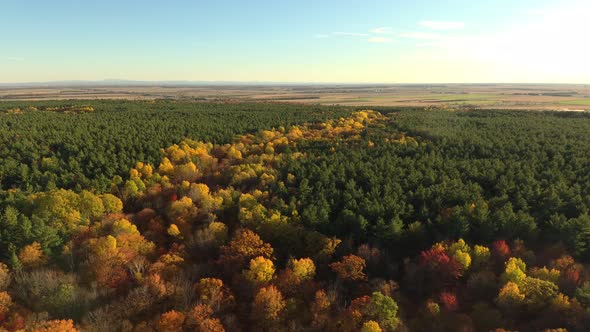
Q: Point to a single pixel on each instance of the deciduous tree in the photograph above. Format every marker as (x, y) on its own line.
(261, 270)
(268, 305)
(350, 268)
(171, 321)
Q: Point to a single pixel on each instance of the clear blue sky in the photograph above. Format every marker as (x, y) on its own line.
(296, 41)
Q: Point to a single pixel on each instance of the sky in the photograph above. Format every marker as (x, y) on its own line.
(318, 41)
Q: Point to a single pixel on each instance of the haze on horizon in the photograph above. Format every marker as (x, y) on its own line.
(373, 41)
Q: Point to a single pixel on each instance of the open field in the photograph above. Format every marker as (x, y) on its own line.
(497, 96)
(583, 102)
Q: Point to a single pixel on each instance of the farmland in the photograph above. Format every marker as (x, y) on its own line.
(492, 96)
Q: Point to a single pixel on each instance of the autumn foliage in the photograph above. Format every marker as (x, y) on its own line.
(218, 237)
(350, 268)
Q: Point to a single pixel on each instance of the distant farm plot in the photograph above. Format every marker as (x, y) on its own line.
(464, 96)
(582, 102)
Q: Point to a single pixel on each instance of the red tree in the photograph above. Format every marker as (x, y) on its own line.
(449, 301)
(501, 249)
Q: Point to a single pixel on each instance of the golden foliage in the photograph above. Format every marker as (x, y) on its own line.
(320, 309)
(268, 305)
(245, 245)
(515, 270)
(171, 321)
(199, 319)
(303, 268)
(173, 230)
(546, 274)
(4, 276)
(5, 304)
(480, 255)
(510, 296)
(55, 326)
(123, 226)
(350, 268)
(261, 270)
(371, 326)
(111, 203)
(32, 255)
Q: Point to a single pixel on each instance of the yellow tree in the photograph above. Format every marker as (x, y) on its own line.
(32, 255)
(123, 226)
(183, 212)
(462, 258)
(510, 296)
(515, 270)
(233, 153)
(199, 193)
(460, 252)
(166, 167)
(303, 268)
(60, 207)
(371, 326)
(186, 172)
(218, 232)
(104, 261)
(268, 305)
(173, 230)
(261, 270)
(175, 153)
(90, 205)
(111, 203)
(546, 274)
(480, 255)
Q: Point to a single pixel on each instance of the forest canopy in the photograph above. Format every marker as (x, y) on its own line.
(79, 144)
(282, 217)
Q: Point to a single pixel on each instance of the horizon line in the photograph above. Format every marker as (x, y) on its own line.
(130, 82)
